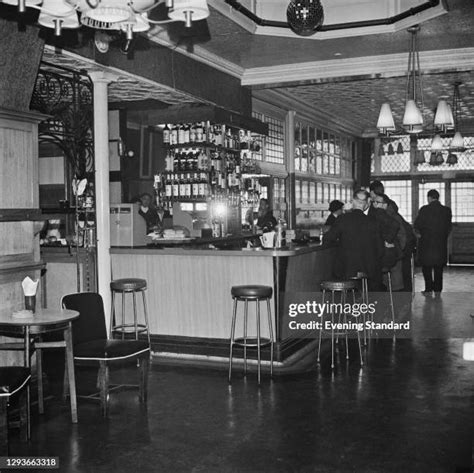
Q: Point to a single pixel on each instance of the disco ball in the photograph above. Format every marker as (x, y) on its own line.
(305, 17)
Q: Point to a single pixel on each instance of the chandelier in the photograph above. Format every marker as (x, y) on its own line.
(129, 16)
(413, 121)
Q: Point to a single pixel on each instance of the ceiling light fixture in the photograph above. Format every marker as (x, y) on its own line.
(413, 115)
(129, 16)
(457, 143)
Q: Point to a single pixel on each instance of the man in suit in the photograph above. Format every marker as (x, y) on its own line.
(336, 209)
(433, 225)
(359, 241)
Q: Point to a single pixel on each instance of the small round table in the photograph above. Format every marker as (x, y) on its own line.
(41, 322)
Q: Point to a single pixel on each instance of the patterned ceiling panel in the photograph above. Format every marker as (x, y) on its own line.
(359, 100)
(126, 87)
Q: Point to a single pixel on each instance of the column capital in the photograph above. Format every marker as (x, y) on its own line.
(102, 77)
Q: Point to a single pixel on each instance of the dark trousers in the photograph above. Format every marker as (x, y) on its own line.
(433, 278)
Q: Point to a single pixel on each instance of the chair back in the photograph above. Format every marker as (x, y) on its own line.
(91, 322)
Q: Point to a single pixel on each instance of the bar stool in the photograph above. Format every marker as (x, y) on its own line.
(362, 277)
(127, 286)
(248, 294)
(343, 288)
(387, 272)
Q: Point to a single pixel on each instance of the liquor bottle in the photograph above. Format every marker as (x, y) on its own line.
(217, 135)
(182, 186)
(166, 135)
(209, 133)
(187, 186)
(186, 134)
(168, 187)
(199, 132)
(175, 186)
(229, 142)
(218, 162)
(169, 162)
(201, 161)
(181, 134)
(195, 187)
(174, 135)
(193, 133)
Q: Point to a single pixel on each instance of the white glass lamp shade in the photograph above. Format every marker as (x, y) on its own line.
(58, 14)
(385, 122)
(457, 142)
(189, 10)
(107, 11)
(436, 143)
(28, 3)
(412, 118)
(444, 116)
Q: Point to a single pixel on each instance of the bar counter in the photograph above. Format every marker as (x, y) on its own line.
(189, 301)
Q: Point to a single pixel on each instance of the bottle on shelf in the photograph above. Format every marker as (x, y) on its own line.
(186, 133)
(175, 186)
(200, 132)
(169, 161)
(181, 134)
(168, 187)
(195, 187)
(174, 135)
(166, 135)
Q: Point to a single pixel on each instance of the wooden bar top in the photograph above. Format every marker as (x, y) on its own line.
(292, 250)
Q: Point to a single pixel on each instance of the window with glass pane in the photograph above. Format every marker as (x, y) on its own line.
(274, 142)
(319, 163)
(312, 192)
(304, 192)
(319, 140)
(297, 147)
(304, 159)
(332, 167)
(312, 161)
(423, 189)
(325, 141)
(337, 166)
(462, 199)
(298, 191)
(312, 137)
(325, 164)
(319, 192)
(400, 193)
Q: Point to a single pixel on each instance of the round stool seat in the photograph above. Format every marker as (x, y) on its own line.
(252, 292)
(338, 285)
(128, 285)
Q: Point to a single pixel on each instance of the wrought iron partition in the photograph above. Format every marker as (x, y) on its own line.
(66, 97)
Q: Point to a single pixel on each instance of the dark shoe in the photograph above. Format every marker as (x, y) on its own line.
(426, 293)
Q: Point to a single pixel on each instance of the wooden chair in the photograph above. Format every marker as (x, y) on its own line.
(92, 347)
(14, 382)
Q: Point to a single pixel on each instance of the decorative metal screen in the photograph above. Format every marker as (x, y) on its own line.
(396, 157)
(462, 201)
(274, 143)
(465, 158)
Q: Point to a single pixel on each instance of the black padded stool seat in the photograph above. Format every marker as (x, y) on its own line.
(128, 285)
(338, 285)
(252, 292)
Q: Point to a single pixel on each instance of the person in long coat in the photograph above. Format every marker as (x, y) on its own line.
(361, 247)
(433, 225)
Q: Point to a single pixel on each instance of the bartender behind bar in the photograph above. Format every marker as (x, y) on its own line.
(266, 221)
(153, 216)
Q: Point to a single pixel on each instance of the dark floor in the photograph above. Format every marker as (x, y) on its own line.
(408, 410)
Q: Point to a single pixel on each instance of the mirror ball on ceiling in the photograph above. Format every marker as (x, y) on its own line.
(305, 17)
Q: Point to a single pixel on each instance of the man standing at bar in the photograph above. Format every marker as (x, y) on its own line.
(359, 241)
(433, 225)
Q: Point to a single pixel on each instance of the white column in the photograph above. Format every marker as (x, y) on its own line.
(100, 81)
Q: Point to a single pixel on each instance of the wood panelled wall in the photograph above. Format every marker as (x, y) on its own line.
(19, 246)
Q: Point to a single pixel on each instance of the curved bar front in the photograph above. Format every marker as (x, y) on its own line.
(190, 304)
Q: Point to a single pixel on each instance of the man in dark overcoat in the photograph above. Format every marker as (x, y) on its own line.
(433, 225)
(361, 247)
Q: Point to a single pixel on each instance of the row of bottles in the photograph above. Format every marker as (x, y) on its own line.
(185, 186)
(186, 160)
(201, 132)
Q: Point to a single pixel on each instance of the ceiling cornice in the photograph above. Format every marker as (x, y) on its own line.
(238, 13)
(388, 65)
(159, 35)
(287, 101)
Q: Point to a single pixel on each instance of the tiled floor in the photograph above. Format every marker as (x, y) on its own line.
(409, 409)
